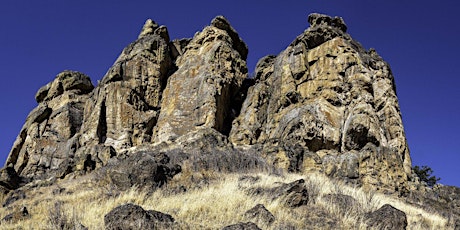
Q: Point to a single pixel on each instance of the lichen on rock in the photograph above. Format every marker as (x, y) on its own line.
(325, 92)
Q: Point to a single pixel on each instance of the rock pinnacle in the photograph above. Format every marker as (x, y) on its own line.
(149, 27)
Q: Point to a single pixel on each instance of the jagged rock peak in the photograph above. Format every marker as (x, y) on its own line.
(222, 23)
(149, 28)
(316, 19)
(65, 81)
(212, 67)
(331, 104)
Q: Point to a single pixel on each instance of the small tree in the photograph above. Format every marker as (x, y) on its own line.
(425, 174)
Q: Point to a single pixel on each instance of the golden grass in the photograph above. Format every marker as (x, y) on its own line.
(220, 202)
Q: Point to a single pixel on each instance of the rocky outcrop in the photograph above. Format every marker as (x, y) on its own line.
(327, 104)
(124, 108)
(44, 145)
(324, 104)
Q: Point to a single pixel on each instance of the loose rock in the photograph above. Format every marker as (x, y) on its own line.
(387, 217)
(130, 216)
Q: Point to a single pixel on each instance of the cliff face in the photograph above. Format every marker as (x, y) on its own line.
(323, 104)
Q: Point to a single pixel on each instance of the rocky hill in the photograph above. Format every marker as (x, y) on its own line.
(173, 116)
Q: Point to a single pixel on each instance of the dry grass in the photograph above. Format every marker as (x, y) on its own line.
(217, 201)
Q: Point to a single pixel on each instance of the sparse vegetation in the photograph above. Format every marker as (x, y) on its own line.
(425, 174)
(220, 200)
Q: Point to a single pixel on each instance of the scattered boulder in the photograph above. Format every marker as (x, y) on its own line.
(387, 217)
(260, 214)
(242, 226)
(130, 216)
(143, 169)
(294, 194)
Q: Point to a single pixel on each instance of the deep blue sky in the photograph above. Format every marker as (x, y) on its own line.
(420, 40)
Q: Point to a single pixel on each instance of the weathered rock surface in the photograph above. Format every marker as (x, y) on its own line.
(44, 145)
(9, 180)
(124, 108)
(260, 214)
(142, 169)
(130, 216)
(327, 104)
(292, 194)
(387, 217)
(199, 94)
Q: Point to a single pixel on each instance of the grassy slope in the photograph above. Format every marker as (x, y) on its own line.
(217, 200)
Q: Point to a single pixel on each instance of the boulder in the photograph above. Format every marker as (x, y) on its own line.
(387, 217)
(292, 194)
(147, 170)
(260, 214)
(131, 217)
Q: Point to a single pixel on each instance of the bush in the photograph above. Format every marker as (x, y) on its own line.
(425, 174)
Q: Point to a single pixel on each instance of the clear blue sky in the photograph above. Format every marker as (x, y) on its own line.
(420, 40)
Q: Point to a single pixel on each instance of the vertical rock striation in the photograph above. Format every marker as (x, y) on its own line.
(325, 103)
(199, 94)
(124, 107)
(44, 147)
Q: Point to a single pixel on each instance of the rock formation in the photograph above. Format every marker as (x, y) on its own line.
(324, 104)
(44, 145)
(327, 104)
(199, 94)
